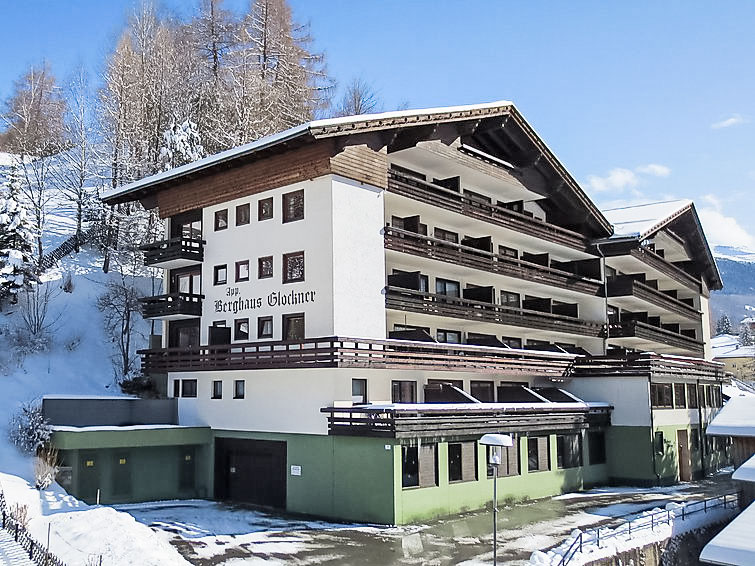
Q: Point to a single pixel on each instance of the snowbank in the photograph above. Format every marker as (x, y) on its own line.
(642, 530)
(79, 532)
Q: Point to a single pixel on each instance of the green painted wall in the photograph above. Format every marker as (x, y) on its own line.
(342, 477)
(628, 453)
(418, 504)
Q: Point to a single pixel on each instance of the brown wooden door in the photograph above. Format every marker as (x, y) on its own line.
(682, 443)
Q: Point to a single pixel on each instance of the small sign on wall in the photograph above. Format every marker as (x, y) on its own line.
(295, 470)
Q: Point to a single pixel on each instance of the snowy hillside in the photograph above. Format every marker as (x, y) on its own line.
(733, 253)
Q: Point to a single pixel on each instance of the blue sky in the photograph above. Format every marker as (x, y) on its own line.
(640, 100)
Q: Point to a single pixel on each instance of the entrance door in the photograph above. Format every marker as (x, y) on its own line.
(685, 471)
(121, 475)
(183, 333)
(89, 477)
(251, 471)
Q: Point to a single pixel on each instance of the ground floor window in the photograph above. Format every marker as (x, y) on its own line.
(419, 465)
(359, 391)
(462, 461)
(217, 389)
(694, 440)
(658, 443)
(188, 388)
(293, 326)
(568, 450)
(239, 389)
(596, 441)
(509, 465)
(482, 391)
(538, 455)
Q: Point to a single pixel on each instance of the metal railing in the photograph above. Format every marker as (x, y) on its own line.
(36, 551)
(637, 522)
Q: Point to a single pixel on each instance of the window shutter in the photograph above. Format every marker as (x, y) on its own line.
(427, 467)
(542, 454)
(468, 461)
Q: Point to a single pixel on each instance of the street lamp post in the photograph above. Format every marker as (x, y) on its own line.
(496, 442)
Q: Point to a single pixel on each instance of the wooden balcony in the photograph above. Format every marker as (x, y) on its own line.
(173, 306)
(482, 210)
(334, 352)
(442, 250)
(478, 311)
(649, 333)
(648, 365)
(174, 253)
(624, 286)
(438, 422)
(654, 261)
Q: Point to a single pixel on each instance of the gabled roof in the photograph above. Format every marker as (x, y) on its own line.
(568, 190)
(745, 472)
(642, 221)
(734, 545)
(737, 418)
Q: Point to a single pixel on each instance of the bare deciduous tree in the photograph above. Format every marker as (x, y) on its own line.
(359, 97)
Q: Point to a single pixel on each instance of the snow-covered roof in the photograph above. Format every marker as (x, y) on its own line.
(737, 418)
(745, 472)
(291, 133)
(734, 352)
(642, 220)
(734, 545)
(737, 388)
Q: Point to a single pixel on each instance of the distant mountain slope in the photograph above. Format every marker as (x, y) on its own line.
(737, 268)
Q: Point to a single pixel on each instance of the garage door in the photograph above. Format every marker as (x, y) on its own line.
(251, 471)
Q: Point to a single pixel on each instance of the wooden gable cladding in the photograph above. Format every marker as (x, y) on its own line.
(357, 162)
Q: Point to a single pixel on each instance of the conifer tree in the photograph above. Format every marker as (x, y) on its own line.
(723, 325)
(17, 240)
(745, 335)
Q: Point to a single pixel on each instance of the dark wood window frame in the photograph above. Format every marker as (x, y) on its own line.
(216, 280)
(361, 382)
(444, 335)
(217, 389)
(237, 323)
(568, 451)
(261, 321)
(243, 214)
(265, 209)
(265, 267)
(286, 320)
(221, 220)
(287, 267)
(239, 266)
(442, 287)
(403, 391)
(239, 388)
(293, 210)
(189, 388)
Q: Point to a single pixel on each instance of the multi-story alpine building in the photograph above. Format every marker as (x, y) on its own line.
(350, 304)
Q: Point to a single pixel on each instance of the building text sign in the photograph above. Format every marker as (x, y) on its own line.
(275, 299)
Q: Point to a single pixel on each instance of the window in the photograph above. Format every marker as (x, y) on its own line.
(717, 398)
(220, 275)
(242, 270)
(188, 388)
(293, 206)
(293, 326)
(447, 235)
(692, 395)
(242, 214)
(241, 329)
(217, 389)
(452, 336)
(176, 388)
(265, 209)
(701, 399)
(265, 267)
(509, 465)
(265, 327)
(680, 399)
(221, 219)
(409, 466)
(658, 443)
(568, 450)
(293, 267)
(538, 455)
(359, 391)
(482, 391)
(512, 342)
(447, 287)
(239, 386)
(508, 252)
(462, 461)
(186, 280)
(509, 299)
(403, 391)
(709, 396)
(694, 440)
(596, 444)
(661, 395)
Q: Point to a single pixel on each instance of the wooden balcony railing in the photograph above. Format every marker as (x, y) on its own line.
(626, 286)
(331, 352)
(479, 209)
(648, 365)
(408, 300)
(653, 260)
(182, 248)
(172, 305)
(442, 250)
(645, 331)
(470, 421)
